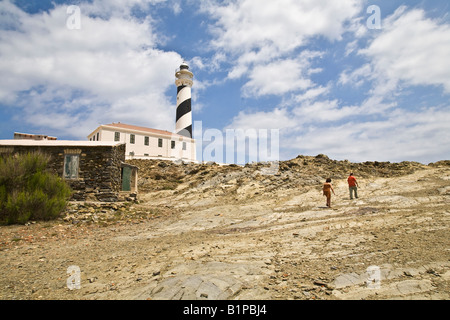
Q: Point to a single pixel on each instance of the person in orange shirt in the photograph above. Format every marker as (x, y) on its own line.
(352, 186)
(327, 188)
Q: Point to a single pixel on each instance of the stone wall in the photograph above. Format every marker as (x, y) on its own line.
(99, 170)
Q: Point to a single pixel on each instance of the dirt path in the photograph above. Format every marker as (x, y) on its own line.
(283, 245)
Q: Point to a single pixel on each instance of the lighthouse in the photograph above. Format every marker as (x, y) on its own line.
(184, 84)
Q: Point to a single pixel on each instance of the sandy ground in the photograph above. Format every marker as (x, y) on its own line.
(282, 245)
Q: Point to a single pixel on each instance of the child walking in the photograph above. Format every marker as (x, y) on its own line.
(327, 188)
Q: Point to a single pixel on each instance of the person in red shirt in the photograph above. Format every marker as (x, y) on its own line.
(352, 186)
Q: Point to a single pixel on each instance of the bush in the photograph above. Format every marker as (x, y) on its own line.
(28, 191)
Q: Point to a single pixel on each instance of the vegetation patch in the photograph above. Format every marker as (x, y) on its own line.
(28, 191)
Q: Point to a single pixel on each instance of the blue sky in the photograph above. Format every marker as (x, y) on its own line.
(317, 71)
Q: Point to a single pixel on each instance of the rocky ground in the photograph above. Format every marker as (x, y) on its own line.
(231, 232)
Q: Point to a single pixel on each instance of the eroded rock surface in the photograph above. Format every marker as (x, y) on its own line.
(230, 232)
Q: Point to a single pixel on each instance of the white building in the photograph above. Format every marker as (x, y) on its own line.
(147, 143)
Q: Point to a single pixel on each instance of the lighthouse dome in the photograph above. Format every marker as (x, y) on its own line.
(184, 66)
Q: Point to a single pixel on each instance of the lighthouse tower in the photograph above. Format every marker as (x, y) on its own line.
(184, 115)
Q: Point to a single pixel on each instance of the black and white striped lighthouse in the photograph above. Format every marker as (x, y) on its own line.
(184, 115)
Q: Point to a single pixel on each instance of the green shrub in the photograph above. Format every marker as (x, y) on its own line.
(28, 191)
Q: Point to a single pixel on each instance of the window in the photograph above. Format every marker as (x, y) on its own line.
(184, 145)
(71, 164)
(146, 141)
(98, 134)
(160, 143)
(172, 144)
(132, 138)
(116, 136)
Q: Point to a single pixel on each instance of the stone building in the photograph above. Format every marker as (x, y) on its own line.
(96, 171)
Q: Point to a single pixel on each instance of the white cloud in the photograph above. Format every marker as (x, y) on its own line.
(285, 24)
(278, 77)
(295, 119)
(323, 126)
(310, 94)
(176, 7)
(121, 8)
(323, 111)
(417, 136)
(411, 49)
(109, 70)
(257, 35)
(276, 119)
(356, 77)
(282, 76)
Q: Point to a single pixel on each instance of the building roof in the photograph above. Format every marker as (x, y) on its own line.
(68, 143)
(128, 127)
(138, 128)
(20, 135)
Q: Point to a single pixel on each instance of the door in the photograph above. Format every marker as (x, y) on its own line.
(126, 179)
